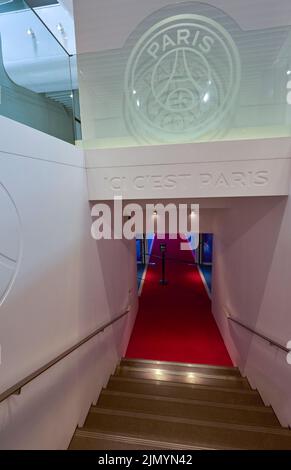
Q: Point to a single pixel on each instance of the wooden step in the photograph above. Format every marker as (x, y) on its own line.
(187, 431)
(184, 391)
(225, 381)
(192, 409)
(182, 367)
(86, 439)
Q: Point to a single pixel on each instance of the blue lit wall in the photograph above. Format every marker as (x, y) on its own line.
(207, 248)
(138, 251)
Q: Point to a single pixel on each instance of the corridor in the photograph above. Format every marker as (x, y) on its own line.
(174, 322)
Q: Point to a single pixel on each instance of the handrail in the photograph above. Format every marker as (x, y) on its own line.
(256, 333)
(16, 389)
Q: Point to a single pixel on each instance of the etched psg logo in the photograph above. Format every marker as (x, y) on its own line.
(182, 79)
(10, 243)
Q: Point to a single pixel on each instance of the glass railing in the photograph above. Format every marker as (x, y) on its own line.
(188, 72)
(35, 74)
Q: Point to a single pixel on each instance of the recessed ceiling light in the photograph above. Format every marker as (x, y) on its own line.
(60, 28)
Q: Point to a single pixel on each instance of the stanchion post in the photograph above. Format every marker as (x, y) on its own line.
(163, 249)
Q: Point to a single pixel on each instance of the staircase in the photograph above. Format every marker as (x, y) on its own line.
(64, 98)
(164, 405)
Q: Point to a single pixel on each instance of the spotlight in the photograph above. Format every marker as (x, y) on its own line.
(206, 97)
(60, 28)
(30, 32)
(191, 375)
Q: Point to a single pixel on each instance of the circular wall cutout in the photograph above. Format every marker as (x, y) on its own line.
(10, 243)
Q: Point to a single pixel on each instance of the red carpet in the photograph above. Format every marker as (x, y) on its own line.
(174, 322)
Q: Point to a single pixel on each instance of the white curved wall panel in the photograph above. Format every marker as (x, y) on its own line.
(66, 286)
(251, 281)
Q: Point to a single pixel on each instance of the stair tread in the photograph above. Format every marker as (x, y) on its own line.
(174, 419)
(194, 409)
(259, 408)
(198, 375)
(180, 365)
(134, 440)
(189, 431)
(183, 377)
(182, 384)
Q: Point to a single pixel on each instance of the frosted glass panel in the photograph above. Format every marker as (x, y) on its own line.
(35, 73)
(189, 72)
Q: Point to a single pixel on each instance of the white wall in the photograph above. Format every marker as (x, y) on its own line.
(249, 15)
(251, 280)
(198, 170)
(66, 285)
